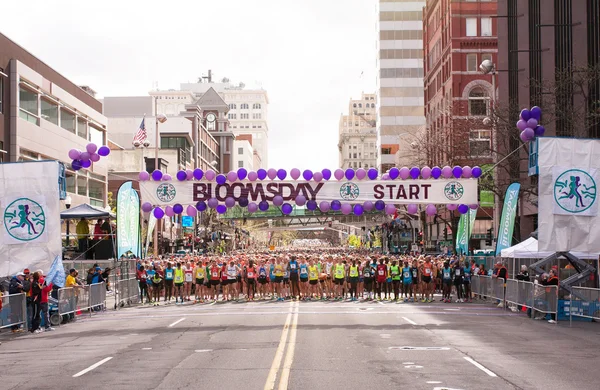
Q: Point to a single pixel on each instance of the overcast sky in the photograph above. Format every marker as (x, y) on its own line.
(307, 54)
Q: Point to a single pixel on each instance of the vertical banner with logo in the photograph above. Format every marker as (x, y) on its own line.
(507, 221)
(567, 197)
(465, 228)
(128, 221)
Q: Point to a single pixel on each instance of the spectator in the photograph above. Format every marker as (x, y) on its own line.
(97, 276)
(524, 274)
(106, 228)
(105, 277)
(46, 289)
(36, 300)
(98, 234)
(83, 231)
(72, 281)
(551, 293)
(500, 272)
(27, 291)
(90, 273)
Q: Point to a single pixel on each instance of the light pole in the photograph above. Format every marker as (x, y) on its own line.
(159, 119)
(68, 201)
(488, 67)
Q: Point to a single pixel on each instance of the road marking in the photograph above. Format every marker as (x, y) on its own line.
(289, 355)
(480, 366)
(146, 349)
(420, 348)
(433, 382)
(385, 335)
(409, 321)
(408, 363)
(270, 383)
(210, 304)
(176, 322)
(451, 309)
(413, 366)
(203, 350)
(90, 368)
(381, 303)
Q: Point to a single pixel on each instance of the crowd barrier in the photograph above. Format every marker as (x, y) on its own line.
(127, 291)
(76, 300)
(585, 302)
(14, 310)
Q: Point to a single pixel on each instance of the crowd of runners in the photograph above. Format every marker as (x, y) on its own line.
(307, 275)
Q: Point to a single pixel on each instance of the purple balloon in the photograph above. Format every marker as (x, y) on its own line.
(539, 131)
(201, 206)
(213, 203)
(324, 206)
(385, 176)
(221, 209)
(104, 151)
(301, 199)
(91, 148)
(307, 174)
(476, 172)
(287, 208)
(166, 177)
(311, 205)
(457, 171)
(349, 174)
(252, 176)
(74, 154)
(262, 175)
(210, 175)
(272, 173)
(346, 208)
(86, 164)
(229, 202)
(412, 209)
(532, 123)
(338, 174)
(451, 206)
(336, 205)
(415, 172)
(390, 209)
(431, 210)
(278, 200)
(474, 206)
(425, 172)
(144, 176)
(368, 205)
(525, 115)
(361, 173)
(281, 174)
(221, 179)
(317, 176)
(527, 135)
(372, 173)
(447, 172)
(536, 113)
(379, 205)
(232, 176)
(146, 207)
(84, 156)
(263, 205)
(463, 208)
(436, 172)
(157, 175)
(94, 157)
(404, 173)
(252, 207)
(169, 211)
(198, 174)
(394, 173)
(358, 209)
(181, 176)
(295, 173)
(243, 202)
(158, 213)
(177, 208)
(521, 124)
(467, 172)
(189, 174)
(242, 173)
(191, 211)
(326, 174)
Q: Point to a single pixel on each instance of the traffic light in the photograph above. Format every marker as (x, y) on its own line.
(488, 237)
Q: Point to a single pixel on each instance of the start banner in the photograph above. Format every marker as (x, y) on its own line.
(441, 191)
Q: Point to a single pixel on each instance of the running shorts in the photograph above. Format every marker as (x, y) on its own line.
(278, 279)
(200, 281)
(426, 279)
(303, 280)
(339, 282)
(314, 282)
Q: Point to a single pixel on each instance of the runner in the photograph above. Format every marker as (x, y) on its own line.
(353, 275)
(293, 270)
(446, 282)
(232, 275)
(381, 277)
(458, 281)
(215, 277)
(157, 283)
(427, 274)
(406, 281)
(169, 276)
(338, 279)
(395, 273)
(278, 271)
(304, 280)
(250, 276)
(313, 277)
(263, 279)
(200, 275)
(179, 278)
(188, 279)
(367, 273)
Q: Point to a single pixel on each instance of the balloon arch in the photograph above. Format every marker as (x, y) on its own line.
(349, 191)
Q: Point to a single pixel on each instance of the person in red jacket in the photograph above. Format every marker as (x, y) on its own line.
(46, 290)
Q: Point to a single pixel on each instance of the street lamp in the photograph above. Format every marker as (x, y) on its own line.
(160, 118)
(68, 201)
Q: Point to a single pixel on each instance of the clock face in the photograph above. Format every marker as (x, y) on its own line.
(211, 117)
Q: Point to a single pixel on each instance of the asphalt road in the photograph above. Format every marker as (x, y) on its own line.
(306, 345)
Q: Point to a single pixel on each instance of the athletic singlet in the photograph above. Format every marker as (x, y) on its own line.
(406, 275)
(231, 273)
(467, 275)
(303, 271)
(328, 267)
(251, 272)
(381, 271)
(395, 271)
(278, 270)
(178, 275)
(313, 273)
(286, 274)
(339, 271)
(169, 274)
(354, 271)
(446, 275)
(150, 274)
(262, 272)
(156, 278)
(427, 270)
(272, 271)
(415, 272)
(293, 267)
(214, 273)
(189, 274)
(200, 272)
(367, 271)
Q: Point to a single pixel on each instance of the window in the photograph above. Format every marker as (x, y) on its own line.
(386, 150)
(354, 105)
(240, 150)
(232, 106)
(49, 110)
(479, 143)
(486, 57)
(1, 89)
(67, 121)
(240, 164)
(478, 102)
(349, 155)
(244, 106)
(359, 105)
(96, 136)
(486, 27)
(28, 101)
(211, 126)
(471, 62)
(244, 116)
(372, 105)
(257, 116)
(70, 176)
(81, 185)
(82, 128)
(96, 189)
(256, 106)
(471, 27)
(231, 116)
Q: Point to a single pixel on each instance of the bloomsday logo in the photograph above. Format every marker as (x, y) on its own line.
(166, 192)
(349, 191)
(454, 190)
(574, 191)
(24, 219)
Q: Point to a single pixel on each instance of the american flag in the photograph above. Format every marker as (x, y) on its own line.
(141, 134)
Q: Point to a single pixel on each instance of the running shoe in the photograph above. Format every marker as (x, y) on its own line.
(551, 322)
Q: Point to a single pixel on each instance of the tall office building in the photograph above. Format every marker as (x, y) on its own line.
(358, 137)
(400, 113)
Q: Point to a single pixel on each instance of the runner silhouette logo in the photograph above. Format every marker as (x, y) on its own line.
(166, 192)
(454, 190)
(574, 191)
(349, 191)
(24, 219)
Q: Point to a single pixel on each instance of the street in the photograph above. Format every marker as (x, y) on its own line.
(305, 345)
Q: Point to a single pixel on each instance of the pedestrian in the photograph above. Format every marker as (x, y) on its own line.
(83, 231)
(142, 278)
(46, 290)
(36, 299)
(16, 287)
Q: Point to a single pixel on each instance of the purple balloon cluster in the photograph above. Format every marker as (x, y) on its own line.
(91, 155)
(529, 124)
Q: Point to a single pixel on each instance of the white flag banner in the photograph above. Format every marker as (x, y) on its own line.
(24, 219)
(567, 202)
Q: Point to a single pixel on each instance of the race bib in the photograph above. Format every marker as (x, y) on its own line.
(414, 273)
(313, 275)
(428, 271)
(367, 274)
(169, 274)
(293, 266)
(407, 274)
(215, 274)
(457, 273)
(250, 274)
(381, 272)
(188, 277)
(447, 275)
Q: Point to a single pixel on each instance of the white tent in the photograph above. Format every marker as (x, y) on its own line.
(528, 249)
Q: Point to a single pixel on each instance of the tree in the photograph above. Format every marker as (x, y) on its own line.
(284, 237)
(354, 241)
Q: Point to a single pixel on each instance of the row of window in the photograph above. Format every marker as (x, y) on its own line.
(411, 73)
(255, 115)
(473, 64)
(358, 164)
(486, 27)
(171, 97)
(247, 127)
(245, 106)
(400, 54)
(401, 16)
(358, 155)
(372, 105)
(400, 35)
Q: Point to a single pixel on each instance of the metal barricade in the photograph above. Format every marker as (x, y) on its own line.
(14, 310)
(498, 289)
(525, 294)
(512, 291)
(67, 300)
(476, 285)
(585, 302)
(127, 291)
(486, 286)
(98, 296)
(545, 299)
